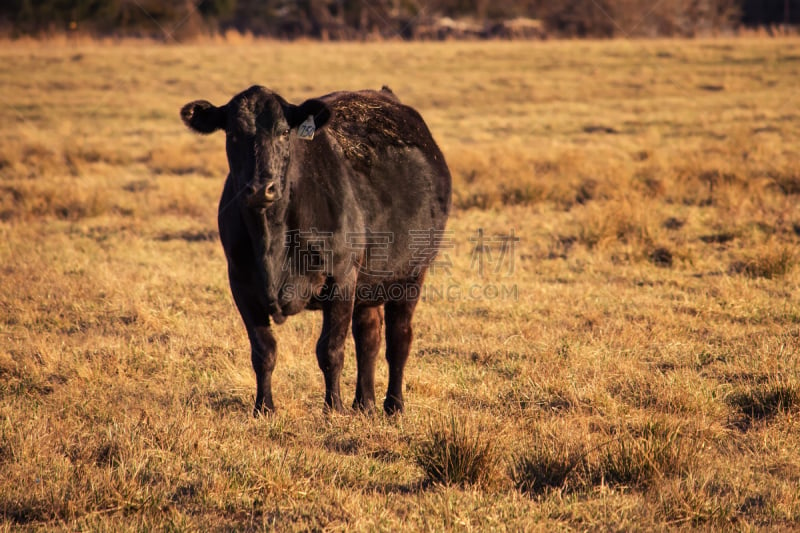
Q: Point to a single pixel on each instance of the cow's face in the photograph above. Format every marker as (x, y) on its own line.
(259, 127)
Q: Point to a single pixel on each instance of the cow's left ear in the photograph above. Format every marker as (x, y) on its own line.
(297, 114)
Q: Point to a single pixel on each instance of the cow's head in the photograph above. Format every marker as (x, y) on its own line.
(259, 126)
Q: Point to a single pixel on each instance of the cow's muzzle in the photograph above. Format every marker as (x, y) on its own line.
(261, 196)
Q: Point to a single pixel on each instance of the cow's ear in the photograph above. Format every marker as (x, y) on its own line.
(297, 114)
(203, 117)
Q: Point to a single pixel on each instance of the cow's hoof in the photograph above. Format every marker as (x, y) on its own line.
(334, 408)
(263, 410)
(392, 406)
(366, 407)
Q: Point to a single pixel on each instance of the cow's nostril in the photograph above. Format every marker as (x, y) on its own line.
(269, 191)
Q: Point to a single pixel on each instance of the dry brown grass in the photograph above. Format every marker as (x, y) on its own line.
(638, 369)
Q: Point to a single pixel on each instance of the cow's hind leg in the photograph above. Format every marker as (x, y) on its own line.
(336, 315)
(398, 344)
(367, 322)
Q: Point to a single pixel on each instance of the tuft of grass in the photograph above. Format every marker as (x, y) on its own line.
(616, 222)
(661, 256)
(768, 263)
(644, 455)
(697, 501)
(523, 194)
(763, 401)
(787, 182)
(640, 457)
(455, 452)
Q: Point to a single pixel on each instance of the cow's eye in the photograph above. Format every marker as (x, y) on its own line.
(285, 132)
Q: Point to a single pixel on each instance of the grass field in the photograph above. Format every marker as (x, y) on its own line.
(631, 363)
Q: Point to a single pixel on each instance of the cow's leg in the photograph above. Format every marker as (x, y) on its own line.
(367, 322)
(336, 315)
(249, 294)
(398, 344)
(263, 353)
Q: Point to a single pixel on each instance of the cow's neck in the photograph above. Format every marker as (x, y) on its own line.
(315, 178)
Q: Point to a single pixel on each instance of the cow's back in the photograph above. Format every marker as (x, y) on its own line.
(400, 176)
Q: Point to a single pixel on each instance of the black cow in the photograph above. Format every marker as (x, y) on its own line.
(322, 208)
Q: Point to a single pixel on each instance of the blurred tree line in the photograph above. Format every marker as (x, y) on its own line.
(358, 19)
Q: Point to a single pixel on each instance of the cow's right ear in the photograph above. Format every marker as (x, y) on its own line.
(317, 109)
(203, 117)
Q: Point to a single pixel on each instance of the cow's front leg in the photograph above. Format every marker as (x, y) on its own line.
(263, 348)
(263, 355)
(337, 313)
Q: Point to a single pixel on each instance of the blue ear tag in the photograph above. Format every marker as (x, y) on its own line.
(307, 128)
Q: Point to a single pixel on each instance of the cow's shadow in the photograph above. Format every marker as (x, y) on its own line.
(224, 402)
